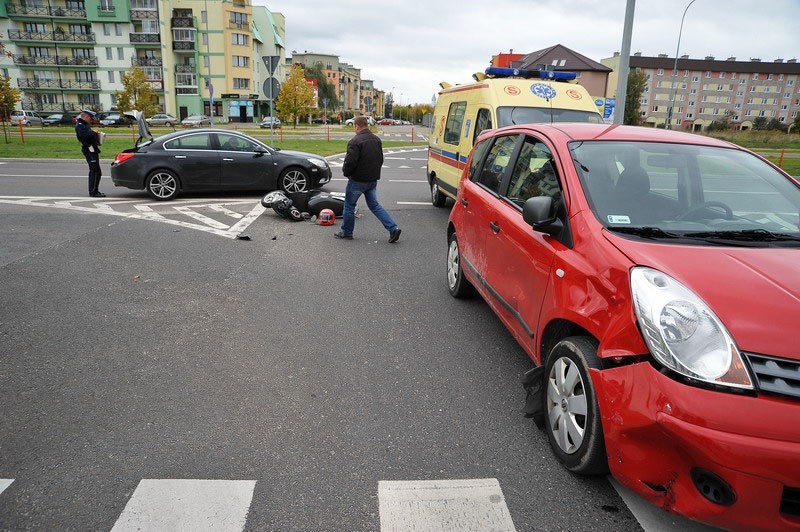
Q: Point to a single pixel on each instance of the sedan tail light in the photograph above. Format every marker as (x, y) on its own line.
(122, 157)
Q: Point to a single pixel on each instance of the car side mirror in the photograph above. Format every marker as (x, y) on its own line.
(540, 213)
(260, 151)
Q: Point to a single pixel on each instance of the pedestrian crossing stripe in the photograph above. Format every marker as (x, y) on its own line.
(4, 483)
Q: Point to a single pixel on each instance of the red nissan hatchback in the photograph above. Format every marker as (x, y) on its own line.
(654, 278)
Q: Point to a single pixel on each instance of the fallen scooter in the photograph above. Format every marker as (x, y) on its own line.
(311, 203)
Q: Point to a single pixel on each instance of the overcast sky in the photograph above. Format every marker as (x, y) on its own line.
(412, 45)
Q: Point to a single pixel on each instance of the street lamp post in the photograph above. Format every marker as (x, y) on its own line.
(675, 70)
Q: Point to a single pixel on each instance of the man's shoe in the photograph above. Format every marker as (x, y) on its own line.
(343, 236)
(98, 195)
(394, 236)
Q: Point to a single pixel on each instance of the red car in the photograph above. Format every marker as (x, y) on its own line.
(654, 278)
(386, 122)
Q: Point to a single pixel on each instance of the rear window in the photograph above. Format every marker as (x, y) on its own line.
(511, 116)
(455, 120)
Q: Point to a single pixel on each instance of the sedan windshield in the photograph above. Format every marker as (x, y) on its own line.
(698, 194)
(512, 116)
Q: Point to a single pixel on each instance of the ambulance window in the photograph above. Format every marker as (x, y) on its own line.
(455, 120)
(496, 162)
(533, 174)
(483, 121)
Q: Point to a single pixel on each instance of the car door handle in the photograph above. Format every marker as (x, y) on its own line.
(180, 157)
(226, 159)
(464, 202)
(495, 227)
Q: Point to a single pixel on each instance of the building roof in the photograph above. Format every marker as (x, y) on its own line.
(559, 57)
(709, 63)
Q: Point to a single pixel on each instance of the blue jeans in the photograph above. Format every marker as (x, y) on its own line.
(353, 191)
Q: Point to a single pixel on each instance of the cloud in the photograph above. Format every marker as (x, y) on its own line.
(415, 44)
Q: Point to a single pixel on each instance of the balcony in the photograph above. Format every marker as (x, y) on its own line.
(146, 61)
(156, 84)
(144, 14)
(16, 10)
(145, 38)
(186, 69)
(76, 61)
(60, 107)
(239, 26)
(50, 36)
(183, 46)
(33, 83)
(182, 22)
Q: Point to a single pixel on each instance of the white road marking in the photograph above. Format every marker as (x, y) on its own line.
(257, 211)
(40, 175)
(407, 181)
(415, 203)
(224, 210)
(403, 166)
(443, 505)
(147, 211)
(197, 505)
(201, 218)
(4, 483)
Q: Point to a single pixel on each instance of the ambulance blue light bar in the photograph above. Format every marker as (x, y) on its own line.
(499, 72)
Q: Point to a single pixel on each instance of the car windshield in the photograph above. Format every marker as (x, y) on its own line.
(698, 194)
(511, 116)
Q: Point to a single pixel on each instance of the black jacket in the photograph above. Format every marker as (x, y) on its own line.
(364, 157)
(86, 136)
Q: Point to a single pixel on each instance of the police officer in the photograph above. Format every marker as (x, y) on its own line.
(90, 142)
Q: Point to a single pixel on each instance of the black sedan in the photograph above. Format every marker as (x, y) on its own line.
(213, 159)
(59, 119)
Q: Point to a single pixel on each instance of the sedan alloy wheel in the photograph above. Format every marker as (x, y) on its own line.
(162, 185)
(294, 180)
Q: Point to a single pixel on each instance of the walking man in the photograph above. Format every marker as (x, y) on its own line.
(90, 142)
(362, 168)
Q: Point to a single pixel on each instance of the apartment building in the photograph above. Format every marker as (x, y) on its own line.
(705, 90)
(199, 56)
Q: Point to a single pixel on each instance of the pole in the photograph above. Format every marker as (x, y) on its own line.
(624, 63)
(21, 133)
(668, 124)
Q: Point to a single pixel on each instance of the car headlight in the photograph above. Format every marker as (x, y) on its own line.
(683, 333)
(320, 163)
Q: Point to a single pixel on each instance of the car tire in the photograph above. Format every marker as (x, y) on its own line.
(294, 180)
(437, 198)
(162, 185)
(458, 286)
(28, 123)
(572, 414)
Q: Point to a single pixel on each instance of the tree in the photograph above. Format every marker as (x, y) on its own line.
(388, 104)
(296, 98)
(760, 123)
(633, 96)
(137, 93)
(9, 96)
(796, 124)
(325, 89)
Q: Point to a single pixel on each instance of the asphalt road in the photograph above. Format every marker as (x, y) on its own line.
(142, 341)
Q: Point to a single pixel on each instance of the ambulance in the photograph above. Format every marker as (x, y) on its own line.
(500, 97)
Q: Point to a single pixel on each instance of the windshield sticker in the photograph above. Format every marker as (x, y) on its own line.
(543, 90)
(618, 219)
(466, 129)
(511, 90)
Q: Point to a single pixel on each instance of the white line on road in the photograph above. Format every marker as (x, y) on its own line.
(226, 211)
(197, 505)
(247, 220)
(427, 203)
(147, 211)
(443, 505)
(201, 218)
(4, 483)
(407, 181)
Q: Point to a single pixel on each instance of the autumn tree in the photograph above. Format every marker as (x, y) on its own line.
(633, 95)
(137, 93)
(296, 98)
(325, 89)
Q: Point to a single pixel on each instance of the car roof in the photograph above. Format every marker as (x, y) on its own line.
(613, 132)
(173, 134)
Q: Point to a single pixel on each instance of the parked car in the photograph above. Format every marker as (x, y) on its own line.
(370, 121)
(162, 119)
(268, 121)
(59, 119)
(213, 159)
(196, 121)
(115, 119)
(652, 277)
(27, 118)
(386, 122)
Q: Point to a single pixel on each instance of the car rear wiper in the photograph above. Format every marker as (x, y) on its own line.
(645, 232)
(752, 235)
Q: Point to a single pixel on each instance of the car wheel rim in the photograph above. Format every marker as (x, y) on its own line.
(566, 405)
(163, 185)
(294, 181)
(452, 264)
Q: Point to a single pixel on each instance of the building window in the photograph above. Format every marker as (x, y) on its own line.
(737, 106)
(111, 76)
(239, 19)
(241, 61)
(733, 75)
(106, 5)
(708, 73)
(739, 93)
(206, 61)
(106, 29)
(120, 54)
(109, 54)
(742, 81)
(790, 82)
(722, 74)
(241, 83)
(689, 115)
(685, 73)
(660, 71)
(118, 30)
(787, 94)
(769, 77)
(239, 38)
(204, 17)
(755, 76)
(695, 79)
(205, 38)
(692, 91)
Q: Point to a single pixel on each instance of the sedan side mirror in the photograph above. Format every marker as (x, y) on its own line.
(260, 151)
(540, 213)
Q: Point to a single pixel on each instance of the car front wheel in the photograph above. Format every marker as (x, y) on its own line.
(457, 284)
(573, 423)
(294, 180)
(162, 185)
